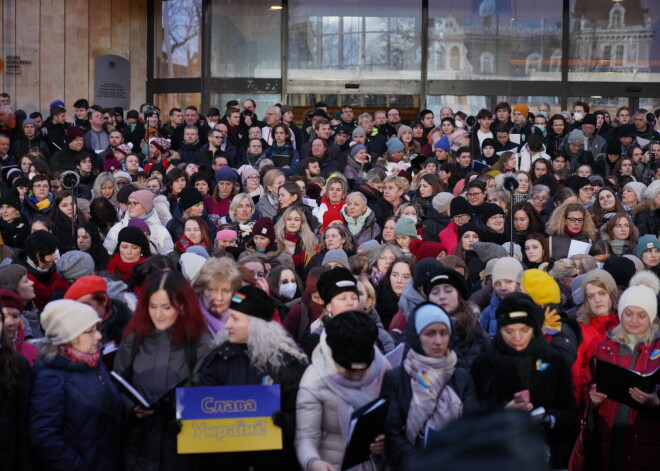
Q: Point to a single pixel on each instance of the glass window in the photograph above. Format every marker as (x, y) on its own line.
(246, 39)
(614, 41)
(262, 100)
(609, 104)
(650, 104)
(468, 104)
(355, 100)
(178, 41)
(167, 101)
(495, 39)
(357, 45)
(534, 102)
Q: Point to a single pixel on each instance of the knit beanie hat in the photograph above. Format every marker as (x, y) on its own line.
(334, 282)
(652, 190)
(516, 249)
(639, 189)
(111, 164)
(314, 191)
(359, 132)
(443, 143)
(589, 119)
(157, 168)
(442, 201)
(329, 216)
(336, 256)
(75, 264)
(639, 265)
(226, 174)
(521, 109)
(622, 269)
(423, 270)
(446, 276)
(642, 293)
(356, 148)
(145, 198)
(488, 271)
(599, 275)
(10, 198)
(191, 264)
(488, 251)
(489, 210)
(124, 175)
(72, 133)
(311, 285)
(429, 313)
(351, 337)
(140, 224)
(575, 183)
(576, 137)
(422, 250)
(625, 130)
(189, 197)
(198, 250)
(489, 141)
(507, 268)
(405, 227)
(21, 182)
(469, 227)
(541, 287)
(519, 308)
(576, 290)
(459, 206)
(645, 243)
(160, 143)
(65, 320)
(10, 298)
(369, 245)
(135, 236)
(264, 227)
(248, 171)
(254, 302)
(29, 121)
(394, 145)
(84, 286)
(125, 148)
(402, 128)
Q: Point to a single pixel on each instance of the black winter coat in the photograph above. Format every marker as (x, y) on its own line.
(14, 441)
(647, 223)
(14, 233)
(230, 365)
(397, 388)
(433, 224)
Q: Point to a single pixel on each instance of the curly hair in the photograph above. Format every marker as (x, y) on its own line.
(555, 226)
(307, 238)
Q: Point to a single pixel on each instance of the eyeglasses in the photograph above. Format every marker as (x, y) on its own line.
(587, 189)
(574, 220)
(253, 177)
(474, 195)
(461, 217)
(540, 200)
(387, 259)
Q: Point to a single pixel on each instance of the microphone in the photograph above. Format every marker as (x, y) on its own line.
(69, 179)
(510, 183)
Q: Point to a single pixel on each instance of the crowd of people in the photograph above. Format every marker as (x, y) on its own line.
(506, 251)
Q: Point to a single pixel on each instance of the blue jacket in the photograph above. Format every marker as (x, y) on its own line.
(75, 417)
(488, 319)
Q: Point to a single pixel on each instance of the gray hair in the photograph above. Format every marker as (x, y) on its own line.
(47, 350)
(364, 115)
(374, 255)
(562, 268)
(190, 126)
(357, 195)
(7, 109)
(276, 109)
(536, 189)
(267, 343)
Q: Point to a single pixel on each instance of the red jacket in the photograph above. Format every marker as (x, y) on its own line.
(449, 237)
(642, 444)
(592, 335)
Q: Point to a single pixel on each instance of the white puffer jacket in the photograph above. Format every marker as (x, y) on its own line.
(160, 236)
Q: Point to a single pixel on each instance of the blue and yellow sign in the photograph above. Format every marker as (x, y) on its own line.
(228, 418)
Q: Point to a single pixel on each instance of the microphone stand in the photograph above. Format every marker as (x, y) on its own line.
(511, 193)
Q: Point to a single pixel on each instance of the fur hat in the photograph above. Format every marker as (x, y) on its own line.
(254, 302)
(65, 320)
(507, 268)
(642, 293)
(541, 287)
(145, 198)
(75, 264)
(442, 201)
(84, 286)
(351, 338)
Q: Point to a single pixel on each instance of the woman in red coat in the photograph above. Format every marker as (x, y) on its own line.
(596, 317)
(628, 439)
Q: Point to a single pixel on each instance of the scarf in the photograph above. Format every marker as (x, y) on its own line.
(570, 233)
(44, 203)
(355, 226)
(37, 268)
(123, 269)
(73, 355)
(351, 395)
(511, 363)
(333, 207)
(620, 247)
(213, 324)
(433, 404)
(183, 243)
(376, 276)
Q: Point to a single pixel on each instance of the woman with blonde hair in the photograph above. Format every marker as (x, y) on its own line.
(268, 203)
(242, 215)
(105, 186)
(295, 235)
(568, 222)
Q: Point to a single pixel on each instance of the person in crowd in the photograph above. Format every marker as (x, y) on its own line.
(647, 212)
(335, 237)
(520, 371)
(265, 244)
(39, 199)
(14, 226)
(334, 196)
(648, 251)
(242, 215)
(252, 348)
(14, 277)
(621, 234)
(268, 203)
(226, 183)
(505, 277)
(164, 345)
(286, 288)
(460, 212)
(195, 233)
(526, 221)
(389, 290)
(75, 414)
(190, 203)
(62, 214)
(596, 317)
(289, 194)
(296, 237)
(570, 221)
(346, 373)
(535, 250)
(132, 249)
(468, 234)
(606, 205)
(360, 219)
(429, 390)
(624, 434)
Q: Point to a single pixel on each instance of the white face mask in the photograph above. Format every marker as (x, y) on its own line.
(412, 218)
(288, 290)
(31, 175)
(577, 116)
(459, 124)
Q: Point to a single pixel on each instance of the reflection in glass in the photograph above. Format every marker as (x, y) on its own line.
(167, 101)
(246, 39)
(614, 40)
(533, 102)
(262, 100)
(609, 104)
(178, 41)
(355, 100)
(369, 38)
(496, 39)
(469, 104)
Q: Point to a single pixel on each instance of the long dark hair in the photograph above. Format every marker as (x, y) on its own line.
(544, 244)
(97, 251)
(535, 223)
(9, 366)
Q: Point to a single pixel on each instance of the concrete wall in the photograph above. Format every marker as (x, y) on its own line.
(61, 39)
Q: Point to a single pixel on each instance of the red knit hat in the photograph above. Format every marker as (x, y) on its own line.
(84, 286)
(426, 250)
(330, 216)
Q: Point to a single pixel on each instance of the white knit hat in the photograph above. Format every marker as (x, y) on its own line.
(507, 268)
(642, 293)
(65, 320)
(652, 190)
(639, 189)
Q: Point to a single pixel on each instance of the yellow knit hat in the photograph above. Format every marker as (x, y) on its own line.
(541, 287)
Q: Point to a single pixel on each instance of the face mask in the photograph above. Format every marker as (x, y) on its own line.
(412, 218)
(540, 127)
(459, 124)
(31, 175)
(288, 290)
(145, 149)
(577, 116)
(600, 265)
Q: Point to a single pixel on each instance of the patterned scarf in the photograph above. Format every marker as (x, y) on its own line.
(44, 203)
(75, 356)
(183, 243)
(434, 404)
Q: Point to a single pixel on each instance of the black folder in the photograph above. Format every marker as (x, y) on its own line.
(366, 424)
(281, 160)
(614, 381)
